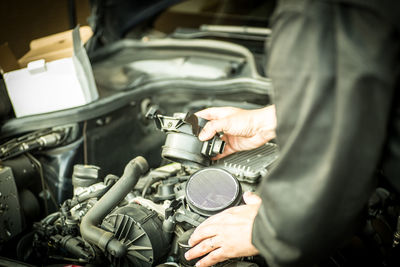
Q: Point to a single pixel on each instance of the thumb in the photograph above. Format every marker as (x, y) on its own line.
(251, 198)
(213, 127)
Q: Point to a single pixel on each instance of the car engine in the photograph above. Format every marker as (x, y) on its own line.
(56, 211)
(145, 216)
(124, 180)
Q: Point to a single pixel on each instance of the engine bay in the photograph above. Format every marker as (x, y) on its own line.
(149, 224)
(124, 181)
(143, 217)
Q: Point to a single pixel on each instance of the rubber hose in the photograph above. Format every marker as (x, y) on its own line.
(89, 226)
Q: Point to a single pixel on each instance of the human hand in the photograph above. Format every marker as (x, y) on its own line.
(225, 235)
(243, 129)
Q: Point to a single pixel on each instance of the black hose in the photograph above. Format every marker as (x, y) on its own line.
(89, 226)
(149, 183)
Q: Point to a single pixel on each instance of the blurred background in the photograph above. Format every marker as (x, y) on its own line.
(24, 20)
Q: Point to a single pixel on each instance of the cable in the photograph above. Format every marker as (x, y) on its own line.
(33, 141)
(45, 187)
(149, 183)
(85, 154)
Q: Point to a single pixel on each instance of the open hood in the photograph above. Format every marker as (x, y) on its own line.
(113, 20)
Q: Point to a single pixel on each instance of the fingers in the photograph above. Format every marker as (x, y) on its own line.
(212, 258)
(209, 227)
(213, 127)
(251, 198)
(208, 114)
(227, 151)
(217, 238)
(204, 247)
(203, 231)
(216, 113)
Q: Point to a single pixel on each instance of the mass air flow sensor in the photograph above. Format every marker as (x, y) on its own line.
(212, 190)
(182, 143)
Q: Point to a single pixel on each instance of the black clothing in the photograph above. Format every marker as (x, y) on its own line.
(334, 66)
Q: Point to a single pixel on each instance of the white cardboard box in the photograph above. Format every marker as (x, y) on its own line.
(44, 87)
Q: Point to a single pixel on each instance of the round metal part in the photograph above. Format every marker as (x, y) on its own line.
(211, 190)
(184, 148)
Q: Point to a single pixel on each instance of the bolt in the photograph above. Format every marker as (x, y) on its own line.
(99, 122)
(169, 125)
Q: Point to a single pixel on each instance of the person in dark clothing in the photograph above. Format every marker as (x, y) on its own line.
(335, 70)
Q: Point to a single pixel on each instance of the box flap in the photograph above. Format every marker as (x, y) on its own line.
(53, 47)
(83, 67)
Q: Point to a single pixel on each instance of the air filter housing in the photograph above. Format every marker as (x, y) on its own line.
(211, 190)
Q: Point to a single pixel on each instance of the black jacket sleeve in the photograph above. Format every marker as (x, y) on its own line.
(333, 67)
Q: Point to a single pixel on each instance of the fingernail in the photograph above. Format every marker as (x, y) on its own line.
(198, 264)
(187, 255)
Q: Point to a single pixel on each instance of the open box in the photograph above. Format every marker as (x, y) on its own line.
(54, 75)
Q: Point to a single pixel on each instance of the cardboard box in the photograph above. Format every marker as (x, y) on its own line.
(53, 47)
(57, 76)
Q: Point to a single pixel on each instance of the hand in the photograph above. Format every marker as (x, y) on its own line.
(225, 235)
(242, 129)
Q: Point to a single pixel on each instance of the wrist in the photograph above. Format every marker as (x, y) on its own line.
(266, 121)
